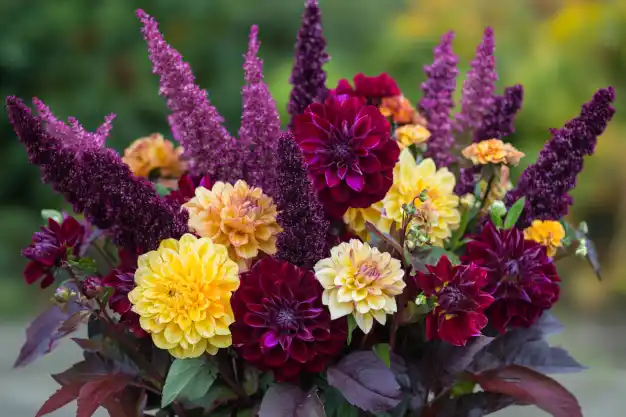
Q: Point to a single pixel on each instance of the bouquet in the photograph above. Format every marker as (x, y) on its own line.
(374, 258)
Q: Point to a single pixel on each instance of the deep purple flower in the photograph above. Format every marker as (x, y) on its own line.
(436, 102)
(477, 97)
(49, 249)
(260, 123)
(461, 301)
(348, 152)
(308, 78)
(303, 241)
(99, 184)
(281, 323)
(522, 277)
(195, 123)
(186, 190)
(546, 183)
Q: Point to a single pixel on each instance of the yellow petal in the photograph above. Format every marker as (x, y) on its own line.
(364, 321)
(338, 309)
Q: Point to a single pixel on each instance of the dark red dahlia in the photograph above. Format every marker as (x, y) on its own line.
(348, 151)
(460, 301)
(373, 89)
(187, 185)
(522, 278)
(281, 323)
(49, 248)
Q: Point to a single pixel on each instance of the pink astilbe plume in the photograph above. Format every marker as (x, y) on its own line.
(479, 87)
(260, 122)
(436, 103)
(307, 77)
(195, 123)
(98, 184)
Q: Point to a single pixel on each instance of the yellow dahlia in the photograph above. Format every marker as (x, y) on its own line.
(548, 233)
(183, 295)
(239, 217)
(408, 135)
(360, 280)
(356, 218)
(492, 151)
(148, 154)
(410, 179)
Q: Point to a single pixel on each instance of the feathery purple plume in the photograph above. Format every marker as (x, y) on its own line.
(546, 183)
(303, 241)
(497, 123)
(308, 77)
(195, 123)
(478, 88)
(97, 183)
(436, 102)
(260, 123)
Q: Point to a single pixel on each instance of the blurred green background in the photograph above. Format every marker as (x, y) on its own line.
(87, 59)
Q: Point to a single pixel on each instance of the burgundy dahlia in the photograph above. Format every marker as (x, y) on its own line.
(50, 247)
(522, 278)
(187, 185)
(281, 323)
(461, 301)
(373, 89)
(348, 151)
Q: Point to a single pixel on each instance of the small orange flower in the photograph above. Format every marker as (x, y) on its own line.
(548, 233)
(401, 111)
(153, 152)
(492, 151)
(408, 135)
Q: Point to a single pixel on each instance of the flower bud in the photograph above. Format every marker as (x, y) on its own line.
(92, 287)
(498, 208)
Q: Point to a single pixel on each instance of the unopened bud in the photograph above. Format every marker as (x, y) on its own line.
(581, 250)
(423, 195)
(498, 208)
(583, 228)
(421, 299)
(409, 209)
(92, 287)
(62, 295)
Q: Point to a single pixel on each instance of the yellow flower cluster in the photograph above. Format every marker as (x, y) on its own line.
(152, 153)
(356, 218)
(548, 233)
(401, 111)
(183, 295)
(492, 151)
(408, 135)
(239, 217)
(362, 281)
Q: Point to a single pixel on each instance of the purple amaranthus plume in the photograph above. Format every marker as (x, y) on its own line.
(546, 183)
(496, 123)
(307, 77)
(478, 88)
(195, 123)
(436, 102)
(303, 241)
(99, 184)
(260, 123)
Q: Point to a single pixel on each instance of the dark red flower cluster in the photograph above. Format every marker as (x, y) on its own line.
(460, 301)
(281, 323)
(187, 185)
(122, 280)
(348, 152)
(373, 89)
(49, 248)
(522, 278)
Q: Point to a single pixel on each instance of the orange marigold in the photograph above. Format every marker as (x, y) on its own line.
(492, 151)
(401, 111)
(151, 153)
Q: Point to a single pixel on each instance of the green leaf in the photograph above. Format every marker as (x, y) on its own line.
(514, 213)
(495, 219)
(52, 214)
(382, 350)
(266, 380)
(462, 387)
(107, 293)
(161, 189)
(351, 327)
(188, 378)
(217, 395)
(85, 266)
(571, 234)
(250, 379)
(436, 252)
(336, 405)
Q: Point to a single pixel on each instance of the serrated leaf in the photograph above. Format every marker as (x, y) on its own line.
(52, 214)
(514, 213)
(351, 327)
(286, 400)
(531, 387)
(63, 396)
(94, 393)
(191, 378)
(128, 403)
(382, 351)
(366, 382)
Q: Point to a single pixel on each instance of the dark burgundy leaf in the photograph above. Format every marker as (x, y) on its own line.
(286, 400)
(386, 238)
(128, 403)
(64, 395)
(76, 319)
(44, 333)
(473, 405)
(530, 387)
(89, 345)
(366, 382)
(93, 367)
(94, 393)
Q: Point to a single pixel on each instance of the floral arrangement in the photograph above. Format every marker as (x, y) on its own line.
(374, 258)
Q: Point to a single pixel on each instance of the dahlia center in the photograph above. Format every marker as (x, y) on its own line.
(342, 151)
(512, 270)
(449, 297)
(368, 272)
(285, 318)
